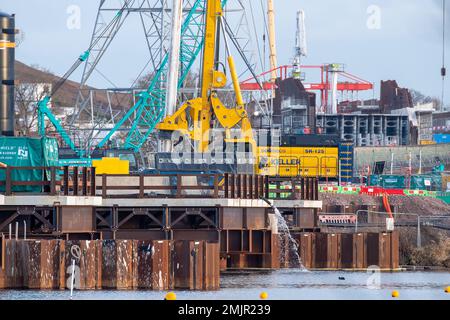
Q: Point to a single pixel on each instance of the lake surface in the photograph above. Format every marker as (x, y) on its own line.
(280, 285)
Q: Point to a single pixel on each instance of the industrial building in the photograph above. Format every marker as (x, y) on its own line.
(368, 130)
(441, 122)
(295, 107)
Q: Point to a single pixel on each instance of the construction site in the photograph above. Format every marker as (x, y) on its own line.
(218, 159)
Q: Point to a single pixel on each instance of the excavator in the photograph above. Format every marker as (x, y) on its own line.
(205, 134)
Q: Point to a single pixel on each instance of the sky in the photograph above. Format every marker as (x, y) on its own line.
(374, 39)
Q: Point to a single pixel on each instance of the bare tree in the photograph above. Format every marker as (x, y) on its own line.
(420, 98)
(27, 96)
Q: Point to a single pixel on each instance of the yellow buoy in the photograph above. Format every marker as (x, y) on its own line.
(447, 290)
(263, 295)
(170, 296)
(395, 294)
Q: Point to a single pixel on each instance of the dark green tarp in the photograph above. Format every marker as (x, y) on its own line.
(374, 181)
(50, 146)
(432, 182)
(27, 152)
(388, 181)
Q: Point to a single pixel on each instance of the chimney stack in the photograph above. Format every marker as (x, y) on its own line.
(7, 58)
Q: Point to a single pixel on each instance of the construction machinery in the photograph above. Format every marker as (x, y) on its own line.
(149, 108)
(68, 157)
(195, 119)
(215, 137)
(300, 45)
(204, 133)
(78, 156)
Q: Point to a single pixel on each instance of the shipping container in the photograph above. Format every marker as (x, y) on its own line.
(441, 138)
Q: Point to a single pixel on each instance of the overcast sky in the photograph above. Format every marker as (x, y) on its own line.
(405, 43)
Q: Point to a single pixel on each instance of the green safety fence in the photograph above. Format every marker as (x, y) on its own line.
(339, 190)
(445, 198)
(420, 193)
(350, 190)
(356, 191)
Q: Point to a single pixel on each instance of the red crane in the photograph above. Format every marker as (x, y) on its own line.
(352, 83)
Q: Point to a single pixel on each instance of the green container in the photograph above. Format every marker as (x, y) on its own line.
(27, 152)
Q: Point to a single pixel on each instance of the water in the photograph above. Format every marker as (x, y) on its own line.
(291, 245)
(281, 285)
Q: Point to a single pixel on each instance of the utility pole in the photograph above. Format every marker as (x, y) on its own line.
(410, 169)
(392, 163)
(419, 237)
(420, 161)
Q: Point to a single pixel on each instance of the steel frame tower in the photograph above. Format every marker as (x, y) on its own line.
(154, 17)
(139, 121)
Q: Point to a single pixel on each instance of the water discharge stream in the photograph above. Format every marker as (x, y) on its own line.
(288, 245)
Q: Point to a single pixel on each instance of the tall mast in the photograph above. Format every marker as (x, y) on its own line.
(301, 49)
(272, 39)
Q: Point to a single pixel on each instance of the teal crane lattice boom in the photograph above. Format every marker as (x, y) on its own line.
(149, 110)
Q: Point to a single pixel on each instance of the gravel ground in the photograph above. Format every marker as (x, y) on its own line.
(420, 205)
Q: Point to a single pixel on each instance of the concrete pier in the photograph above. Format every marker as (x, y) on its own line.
(167, 232)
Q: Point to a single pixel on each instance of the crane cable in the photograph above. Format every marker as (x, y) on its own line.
(265, 31)
(443, 70)
(256, 37)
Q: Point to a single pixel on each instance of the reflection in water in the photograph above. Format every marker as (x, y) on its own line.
(281, 284)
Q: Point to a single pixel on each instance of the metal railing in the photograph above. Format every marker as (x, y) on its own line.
(83, 181)
(48, 180)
